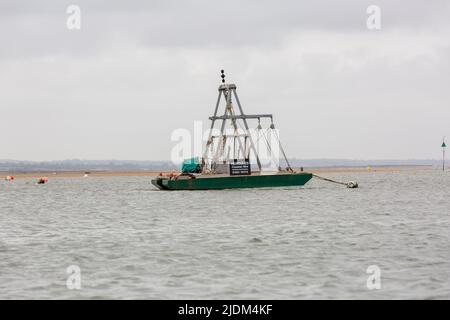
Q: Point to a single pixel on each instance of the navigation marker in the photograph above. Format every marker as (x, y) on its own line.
(443, 146)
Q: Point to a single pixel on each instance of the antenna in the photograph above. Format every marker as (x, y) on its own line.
(222, 75)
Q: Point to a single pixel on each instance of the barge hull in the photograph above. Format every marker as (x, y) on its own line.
(233, 182)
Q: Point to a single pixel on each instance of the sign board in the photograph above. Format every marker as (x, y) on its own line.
(240, 169)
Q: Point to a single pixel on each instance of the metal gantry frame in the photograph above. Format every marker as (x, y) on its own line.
(228, 91)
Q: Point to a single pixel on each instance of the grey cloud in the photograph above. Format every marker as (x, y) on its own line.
(38, 27)
(137, 70)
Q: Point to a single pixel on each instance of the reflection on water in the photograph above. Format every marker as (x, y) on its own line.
(131, 241)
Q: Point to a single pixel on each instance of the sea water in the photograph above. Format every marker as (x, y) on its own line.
(119, 237)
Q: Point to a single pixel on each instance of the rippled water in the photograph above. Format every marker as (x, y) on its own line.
(132, 241)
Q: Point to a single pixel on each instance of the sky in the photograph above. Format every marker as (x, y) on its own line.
(135, 71)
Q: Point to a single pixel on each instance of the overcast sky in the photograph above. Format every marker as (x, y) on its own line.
(137, 70)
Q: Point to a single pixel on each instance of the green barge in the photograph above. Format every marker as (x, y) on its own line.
(226, 160)
(231, 182)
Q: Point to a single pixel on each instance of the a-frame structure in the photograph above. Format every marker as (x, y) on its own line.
(242, 142)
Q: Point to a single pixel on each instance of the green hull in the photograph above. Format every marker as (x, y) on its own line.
(233, 182)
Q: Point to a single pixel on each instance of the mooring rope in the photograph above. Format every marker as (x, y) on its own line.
(350, 184)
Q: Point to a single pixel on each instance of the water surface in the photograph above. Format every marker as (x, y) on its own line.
(134, 242)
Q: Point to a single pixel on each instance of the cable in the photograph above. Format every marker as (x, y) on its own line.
(350, 184)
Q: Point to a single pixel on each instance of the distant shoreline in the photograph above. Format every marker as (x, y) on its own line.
(153, 173)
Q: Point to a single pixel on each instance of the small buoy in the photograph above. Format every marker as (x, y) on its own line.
(352, 184)
(86, 175)
(42, 180)
(9, 178)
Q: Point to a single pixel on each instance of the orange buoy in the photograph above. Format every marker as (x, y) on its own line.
(9, 178)
(42, 180)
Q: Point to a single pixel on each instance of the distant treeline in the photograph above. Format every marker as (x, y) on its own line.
(85, 165)
(135, 165)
